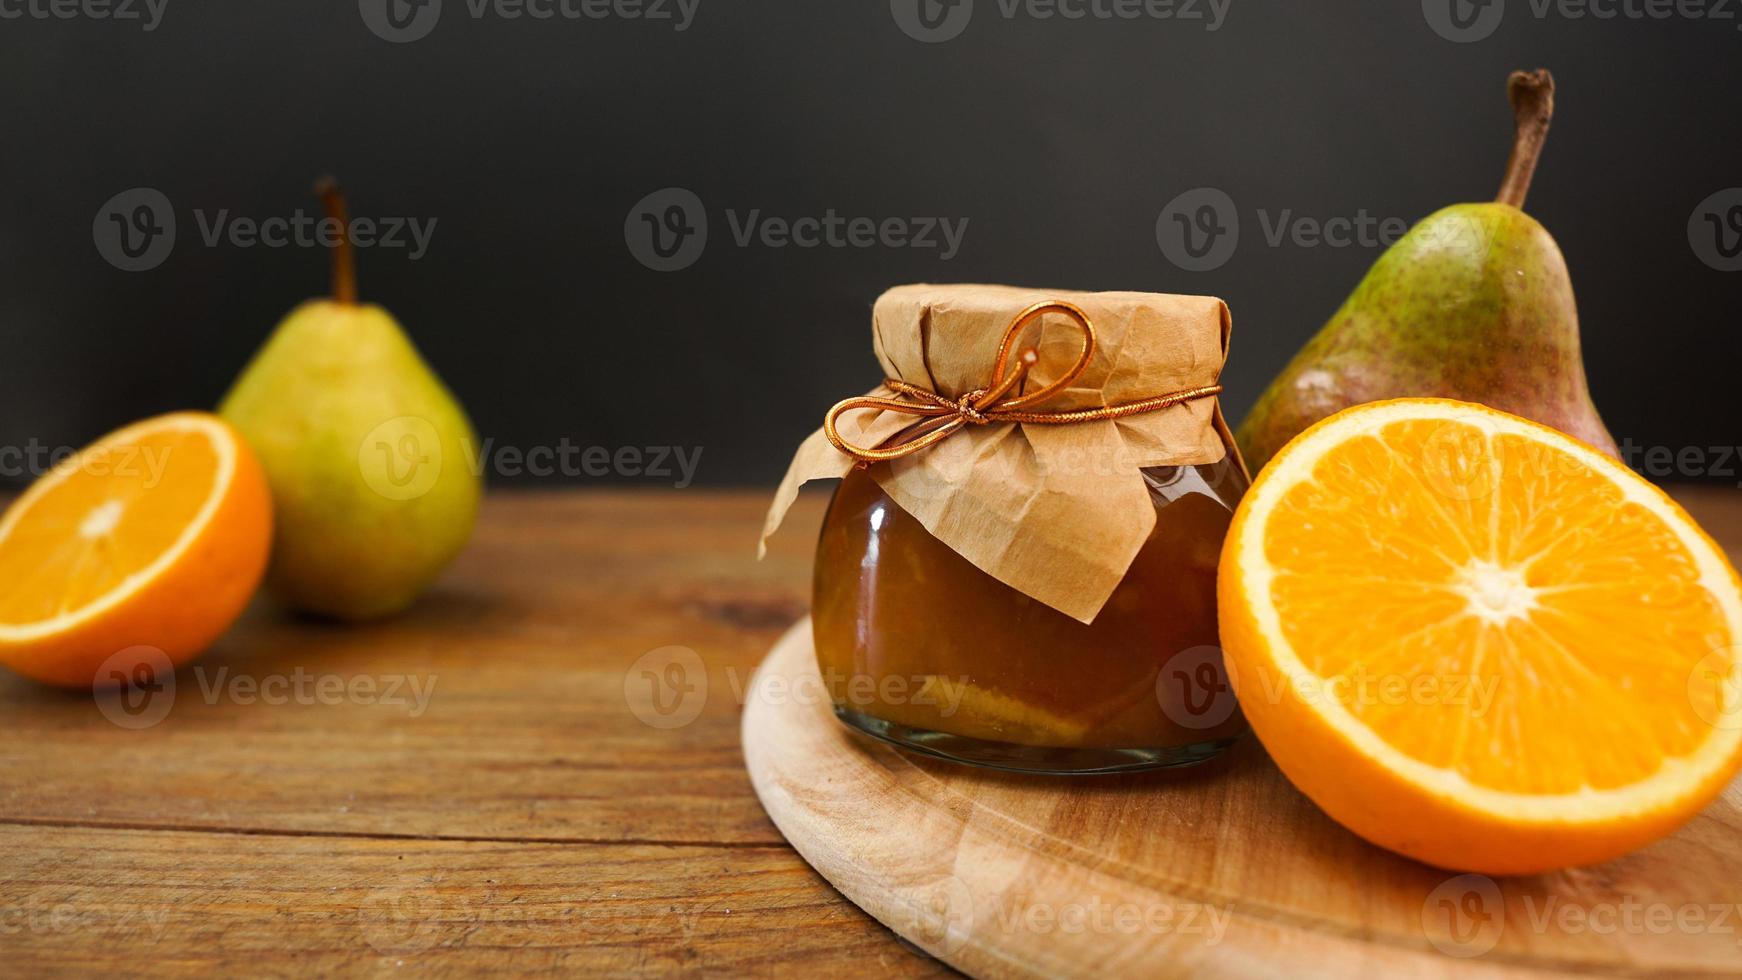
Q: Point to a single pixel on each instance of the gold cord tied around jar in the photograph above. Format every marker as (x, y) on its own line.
(942, 417)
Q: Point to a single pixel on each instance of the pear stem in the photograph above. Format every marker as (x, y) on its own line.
(1532, 97)
(344, 262)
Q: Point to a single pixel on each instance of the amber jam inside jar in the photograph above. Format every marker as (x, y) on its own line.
(919, 647)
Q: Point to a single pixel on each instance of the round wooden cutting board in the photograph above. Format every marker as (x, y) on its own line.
(1219, 870)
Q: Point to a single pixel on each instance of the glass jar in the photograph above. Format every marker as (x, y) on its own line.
(920, 648)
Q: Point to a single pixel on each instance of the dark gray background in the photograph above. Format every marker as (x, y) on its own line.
(529, 141)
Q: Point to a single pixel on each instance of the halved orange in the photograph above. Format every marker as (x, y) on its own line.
(1479, 642)
(152, 538)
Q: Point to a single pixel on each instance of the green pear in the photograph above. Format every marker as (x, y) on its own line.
(1474, 303)
(366, 451)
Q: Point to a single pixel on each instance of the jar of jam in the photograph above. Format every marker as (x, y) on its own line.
(926, 643)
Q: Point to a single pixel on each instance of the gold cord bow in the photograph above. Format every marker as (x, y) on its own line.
(942, 417)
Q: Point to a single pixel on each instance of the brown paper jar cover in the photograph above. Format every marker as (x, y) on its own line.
(1056, 512)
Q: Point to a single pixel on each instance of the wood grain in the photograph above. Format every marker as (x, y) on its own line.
(527, 820)
(528, 643)
(1221, 870)
(129, 903)
(547, 824)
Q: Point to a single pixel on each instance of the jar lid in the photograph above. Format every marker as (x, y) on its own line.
(1056, 511)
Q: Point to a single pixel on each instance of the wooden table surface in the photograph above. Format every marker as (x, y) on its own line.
(519, 774)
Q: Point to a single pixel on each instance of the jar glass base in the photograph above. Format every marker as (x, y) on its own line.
(1037, 759)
